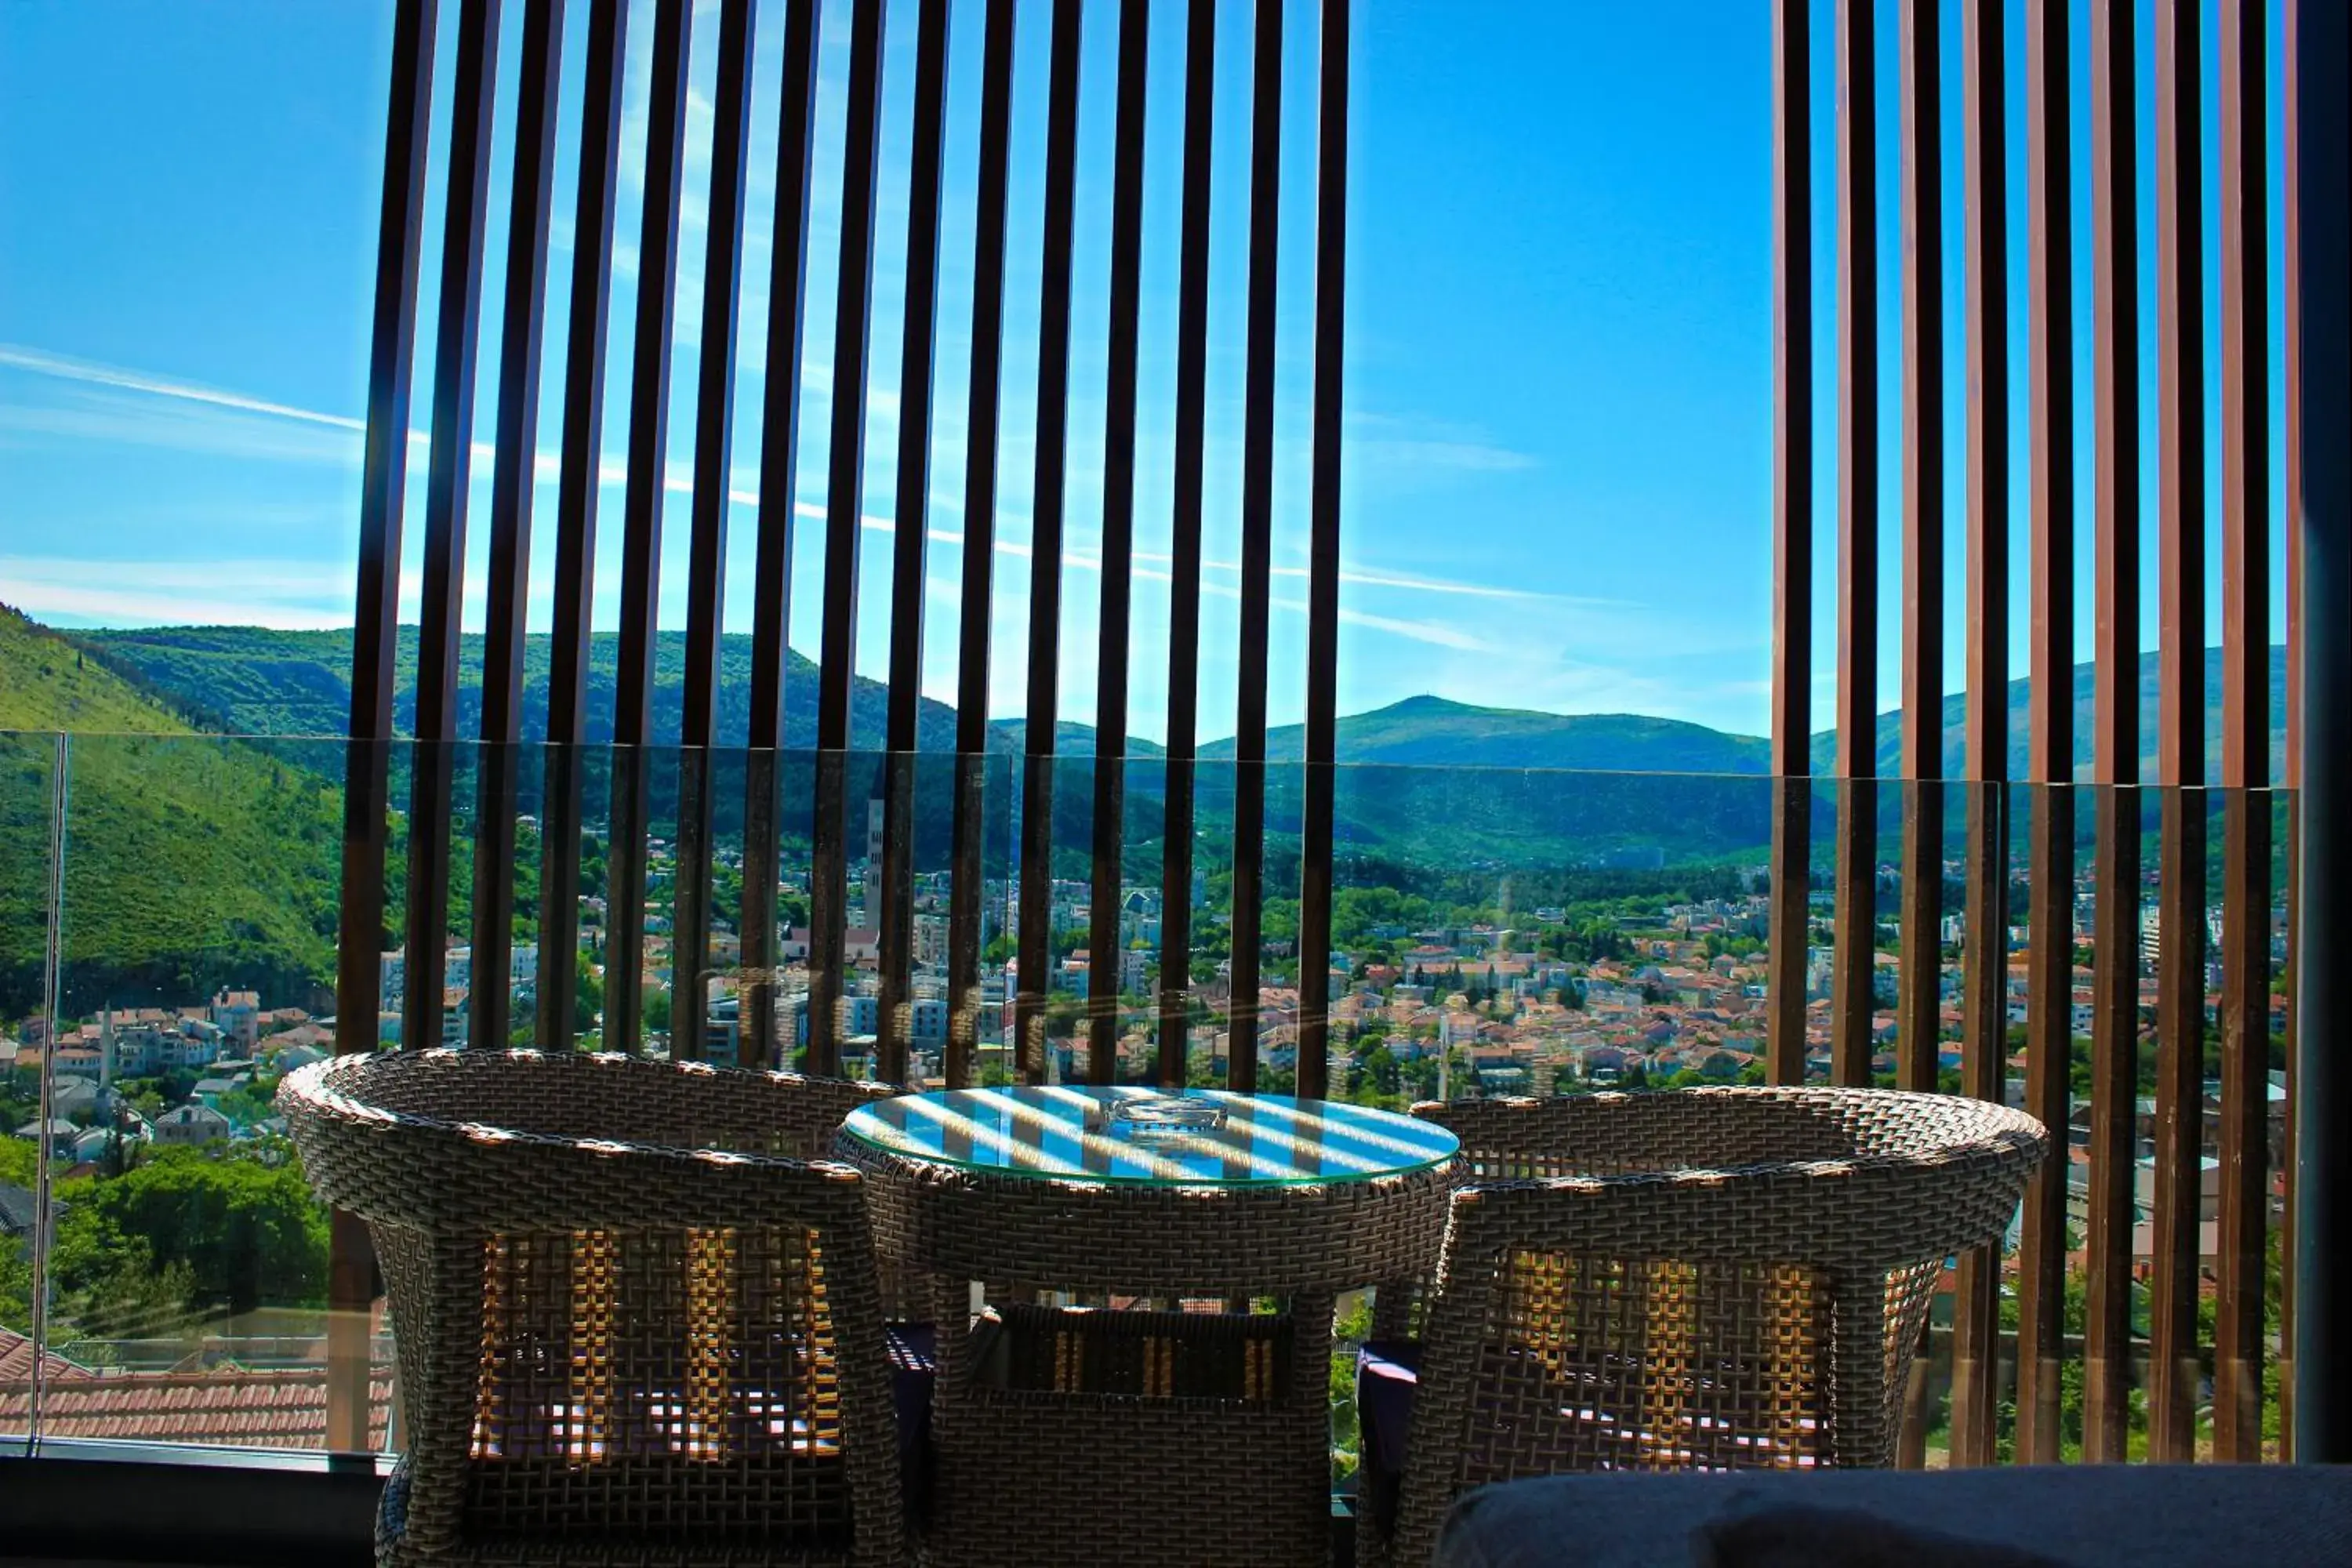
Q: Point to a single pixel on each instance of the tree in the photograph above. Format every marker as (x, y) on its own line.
(523, 872)
(587, 995)
(20, 1099)
(16, 1288)
(145, 1095)
(242, 1234)
(109, 1285)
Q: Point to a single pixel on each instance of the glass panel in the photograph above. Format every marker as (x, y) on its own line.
(27, 824)
(188, 1281)
(1495, 931)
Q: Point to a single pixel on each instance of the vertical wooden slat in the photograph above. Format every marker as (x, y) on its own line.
(1919, 921)
(2291, 763)
(2320, 82)
(1184, 550)
(1792, 533)
(1045, 545)
(537, 82)
(2238, 1333)
(772, 600)
(447, 489)
(1104, 946)
(1323, 557)
(359, 962)
(1257, 549)
(641, 516)
(911, 520)
(578, 462)
(844, 497)
(2050, 724)
(1984, 1043)
(714, 433)
(1918, 1009)
(2174, 1363)
(1917, 1023)
(1857, 696)
(968, 884)
(2115, 748)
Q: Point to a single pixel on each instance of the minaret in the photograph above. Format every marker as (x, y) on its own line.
(105, 1052)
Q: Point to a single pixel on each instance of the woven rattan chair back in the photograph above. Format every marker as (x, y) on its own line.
(630, 1322)
(1703, 1278)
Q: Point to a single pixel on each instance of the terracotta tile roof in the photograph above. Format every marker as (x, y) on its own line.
(17, 1365)
(226, 1405)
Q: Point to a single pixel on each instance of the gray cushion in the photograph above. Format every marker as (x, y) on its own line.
(2128, 1516)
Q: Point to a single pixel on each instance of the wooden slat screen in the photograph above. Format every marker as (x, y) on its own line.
(2111, 1226)
(640, 780)
(2041, 808)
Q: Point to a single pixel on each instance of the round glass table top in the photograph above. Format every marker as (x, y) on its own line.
(1198, 1137)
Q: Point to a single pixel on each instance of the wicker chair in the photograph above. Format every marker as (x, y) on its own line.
(631, 1323)
(1703, 1278)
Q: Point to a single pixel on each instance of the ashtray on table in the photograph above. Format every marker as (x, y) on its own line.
(1168, 1114)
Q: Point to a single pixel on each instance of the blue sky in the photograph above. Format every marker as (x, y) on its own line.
(1557, 473)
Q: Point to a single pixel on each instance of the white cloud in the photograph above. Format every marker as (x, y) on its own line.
(111, 595)
(1460, 456)
(99, 414)
(1438, 634)
(58, 365)
(180, 593)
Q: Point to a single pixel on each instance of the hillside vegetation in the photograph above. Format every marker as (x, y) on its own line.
(1415, 804)
(189, 861)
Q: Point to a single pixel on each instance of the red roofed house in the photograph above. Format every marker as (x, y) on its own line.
(227, 1406)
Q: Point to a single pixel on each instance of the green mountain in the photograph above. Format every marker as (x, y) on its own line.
(251, 681)
(1890, 724)
(190, 862)
(1538, 788)
(1435, 732)
(255, 681)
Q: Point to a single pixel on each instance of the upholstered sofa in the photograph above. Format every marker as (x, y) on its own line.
(2127, 1515)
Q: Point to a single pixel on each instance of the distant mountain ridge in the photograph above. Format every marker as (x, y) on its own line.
(1955, 708)
(196, 859)
(1435, 732)
(253, 680)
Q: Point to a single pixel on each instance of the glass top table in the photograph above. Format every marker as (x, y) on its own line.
(1200, 1137)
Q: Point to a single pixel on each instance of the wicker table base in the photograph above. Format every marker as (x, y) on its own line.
(1063, 1435)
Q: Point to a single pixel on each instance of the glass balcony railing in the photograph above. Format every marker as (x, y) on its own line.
(165, 1270)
